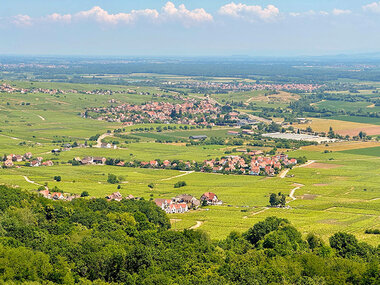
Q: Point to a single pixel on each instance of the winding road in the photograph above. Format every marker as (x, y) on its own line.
(197, 225)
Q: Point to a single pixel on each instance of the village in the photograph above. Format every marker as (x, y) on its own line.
(190, 112)
(251, 163)
(240, 86)
(177, 205)
(9, 160)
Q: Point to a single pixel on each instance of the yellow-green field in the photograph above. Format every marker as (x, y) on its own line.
(339, 192)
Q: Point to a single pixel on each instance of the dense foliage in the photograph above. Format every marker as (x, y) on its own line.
(129, 242)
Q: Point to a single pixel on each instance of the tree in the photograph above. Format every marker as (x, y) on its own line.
(345, 244)
(277, 199)
(180, 184)
(259, 230)
(57, 178)
(112, 179)
(84, 194)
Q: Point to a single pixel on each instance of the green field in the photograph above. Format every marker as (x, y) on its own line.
(341, 193)
(347, 106)
(364, 120)
(371, 151)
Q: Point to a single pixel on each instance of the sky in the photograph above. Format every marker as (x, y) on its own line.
(189, 27)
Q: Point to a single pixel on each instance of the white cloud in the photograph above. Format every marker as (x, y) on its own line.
(338, 12)
(169, 12)
(22, 20)
(249, 13)
(102, 16)
(184, 15)
(55, 17)
(372, 7)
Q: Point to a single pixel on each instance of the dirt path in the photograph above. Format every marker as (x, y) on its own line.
(291, 195)
(259, 212)
(197, 225)
(13, 138)
(42, 118)
(99, 140)
(283, 173)
(35, 183)
(180, 175)
(307, 163)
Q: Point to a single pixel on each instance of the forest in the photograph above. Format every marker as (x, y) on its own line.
(93, 241)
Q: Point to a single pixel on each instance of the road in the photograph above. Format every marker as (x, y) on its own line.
(291, 195)
(35, 183)
(99, 140)
(283, 173)
(197, 225)
(170, 178)
(307, 163)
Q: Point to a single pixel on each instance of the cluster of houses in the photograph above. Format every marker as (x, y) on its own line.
(190, 112)
(252, 163)
(255, 165)
(58, 195)
(184, 202)
(238, 86)
(6, 88)
(117, 196)
(91, 160)
(9, 160)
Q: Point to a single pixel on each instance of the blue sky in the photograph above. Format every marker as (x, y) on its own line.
(189, 27)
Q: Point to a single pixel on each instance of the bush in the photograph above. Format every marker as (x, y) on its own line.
(112, 179)
(57, 178)
(180, 184)
(84, 194)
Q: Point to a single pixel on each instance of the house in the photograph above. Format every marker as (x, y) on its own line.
(120, 163)
(166, 163)
(28, 155)
(45, 193)
(35, 163)
(17, 158)
(57, 196)
(199, 137)
(233, 133)
(114, 196)
(108, 145)
(99, 160)
(190, 200)
(87, 160)
(211, 198)
(255, 170)
(163, 203)
(8, 163)
(48, 163)
(177, 208)
(153, 163)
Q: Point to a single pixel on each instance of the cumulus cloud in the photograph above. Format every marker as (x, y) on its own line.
(183, 14)
(102, 16)
(250, 12)
(22, 20)
(169, 12)
(338, 12)
(372, 7)
(55, 17)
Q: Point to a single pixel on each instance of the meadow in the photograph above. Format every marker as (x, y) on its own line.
(340, 190)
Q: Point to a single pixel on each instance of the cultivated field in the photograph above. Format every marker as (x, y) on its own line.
(339, 192)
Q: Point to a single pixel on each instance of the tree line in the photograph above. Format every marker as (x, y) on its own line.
(93, 241)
